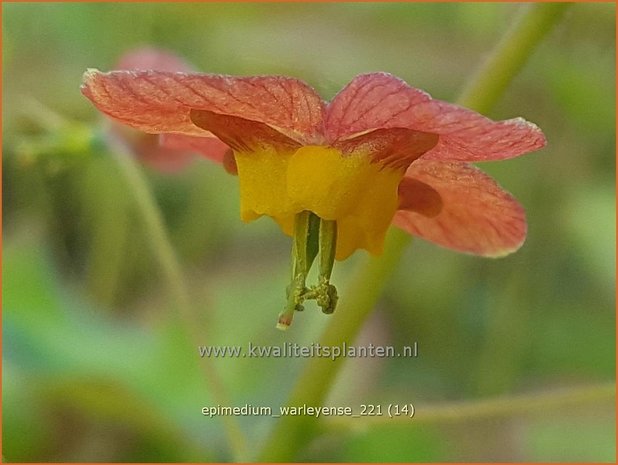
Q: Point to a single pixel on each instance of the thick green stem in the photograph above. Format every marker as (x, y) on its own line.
(293, 432)
(487, 85)
(108, 228)
(172, 273)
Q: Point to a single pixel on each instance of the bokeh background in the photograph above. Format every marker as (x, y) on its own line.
(97, 366)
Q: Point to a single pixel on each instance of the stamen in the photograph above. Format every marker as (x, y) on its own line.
(327, 293)
(304, 251)
(311, 234)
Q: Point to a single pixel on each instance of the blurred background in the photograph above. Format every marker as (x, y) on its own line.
(97, 365)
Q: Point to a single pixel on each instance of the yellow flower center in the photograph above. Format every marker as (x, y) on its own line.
(359, 195)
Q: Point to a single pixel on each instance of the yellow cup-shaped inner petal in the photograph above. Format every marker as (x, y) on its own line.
(322, 181)
(262, 176)
(361, 196)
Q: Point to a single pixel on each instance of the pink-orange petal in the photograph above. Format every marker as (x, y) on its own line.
(210, 147)
(477, 215)
(159, 101)
(382, 101)
(241, 134)
(416, 196)
(469, 136)
(395, 147)
(370, 101)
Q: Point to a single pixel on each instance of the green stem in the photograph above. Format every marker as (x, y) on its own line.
(524, 404)
(170, 267)
(108, 229)
(489, 82)
(292, 432)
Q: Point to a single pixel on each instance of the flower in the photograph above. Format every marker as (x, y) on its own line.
(335, 175)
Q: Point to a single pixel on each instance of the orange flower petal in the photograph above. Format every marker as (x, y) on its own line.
(370, 101)
(477, 215)
(469, 136)
(382, 101)
(416, 196)
(159, 101)
(241, 134)
(395, 147)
